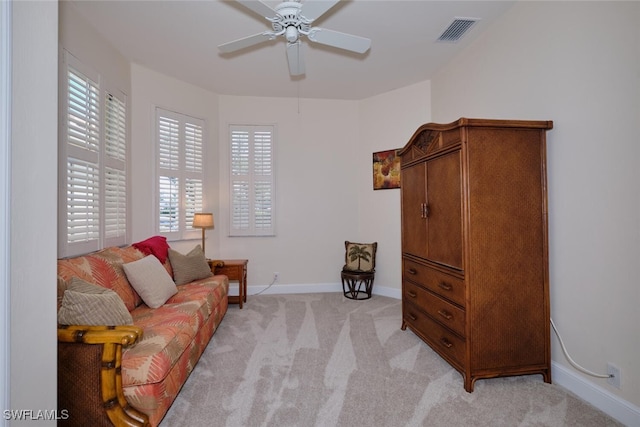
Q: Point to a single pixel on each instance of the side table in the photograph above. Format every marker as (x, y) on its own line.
(234, 269)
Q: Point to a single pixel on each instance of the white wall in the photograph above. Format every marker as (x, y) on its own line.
(387, 121)
(324, 192)
(5, 203)
(33, 192)
(316, 188)
(81, 39)
(577, 64)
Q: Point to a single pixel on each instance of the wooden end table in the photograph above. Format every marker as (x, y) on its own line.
(234, 269)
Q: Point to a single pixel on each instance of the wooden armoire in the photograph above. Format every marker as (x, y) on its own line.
(475, 276)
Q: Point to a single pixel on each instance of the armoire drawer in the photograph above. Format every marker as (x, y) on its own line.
(443, 311)
(449, 287)
(442, 340)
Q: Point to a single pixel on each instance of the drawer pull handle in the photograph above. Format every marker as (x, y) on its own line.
(412, 317)
(446, 286)
(445, 314)
(445, 342)
(412, 294)
(412, 271)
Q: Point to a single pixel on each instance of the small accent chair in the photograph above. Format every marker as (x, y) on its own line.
(359, 269)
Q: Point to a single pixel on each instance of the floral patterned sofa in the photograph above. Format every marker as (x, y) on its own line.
(128, 369)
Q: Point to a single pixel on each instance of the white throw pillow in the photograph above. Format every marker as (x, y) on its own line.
(150, 279)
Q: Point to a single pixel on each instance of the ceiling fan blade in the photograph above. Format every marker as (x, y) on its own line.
(339, 40)
(245, 42)
(295, 58)
(313, 9)
(258, 7)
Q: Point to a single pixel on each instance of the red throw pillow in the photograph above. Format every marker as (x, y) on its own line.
(156, 245)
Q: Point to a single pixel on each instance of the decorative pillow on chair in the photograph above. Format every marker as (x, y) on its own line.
(152, 282)
(189, 267)
(84, 303)
(360, 256)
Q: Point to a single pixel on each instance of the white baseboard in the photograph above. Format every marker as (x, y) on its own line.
(612, 405)
(288, 289)
(310, 288)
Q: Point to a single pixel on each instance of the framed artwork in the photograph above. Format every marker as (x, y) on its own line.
(386, 170)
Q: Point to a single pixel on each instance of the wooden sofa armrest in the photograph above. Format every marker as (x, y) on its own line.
(83, 349)
(125, 335)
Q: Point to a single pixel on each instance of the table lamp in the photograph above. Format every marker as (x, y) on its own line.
(204, 221)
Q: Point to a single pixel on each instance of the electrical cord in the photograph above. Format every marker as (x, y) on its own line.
(268, 286)
(571, 361)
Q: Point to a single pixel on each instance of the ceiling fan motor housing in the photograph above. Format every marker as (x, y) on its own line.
(289, 22)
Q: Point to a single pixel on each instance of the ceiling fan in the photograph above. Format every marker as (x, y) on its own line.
(293, 19)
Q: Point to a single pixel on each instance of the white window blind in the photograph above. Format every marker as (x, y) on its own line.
(180, 145)
(115, 171)
(83, 111)
(252, 181)
(93, 191)
(83, 203)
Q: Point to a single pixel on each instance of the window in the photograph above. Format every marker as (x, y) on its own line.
(93, 195)
(180, 145)
(252, 181)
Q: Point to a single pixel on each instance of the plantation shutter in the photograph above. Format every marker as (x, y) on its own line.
(93, 162)
(193, 170)
(82, 198)
(180, 172)
(169, 184)
(240, 182)
(115, 175)
(252, 181)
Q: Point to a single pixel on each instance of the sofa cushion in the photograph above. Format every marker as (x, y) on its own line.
(86, 304)
(150, 279)
(104, 268)
(189, 267)
(169, 329)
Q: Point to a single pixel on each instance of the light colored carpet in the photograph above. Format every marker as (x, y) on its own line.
(324, 360)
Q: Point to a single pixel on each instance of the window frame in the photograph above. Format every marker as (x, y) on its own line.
(252, 227)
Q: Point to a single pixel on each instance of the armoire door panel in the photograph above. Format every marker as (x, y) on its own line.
(444, 202)
(414, 230)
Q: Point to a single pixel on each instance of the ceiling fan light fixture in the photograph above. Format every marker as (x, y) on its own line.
(291, 33)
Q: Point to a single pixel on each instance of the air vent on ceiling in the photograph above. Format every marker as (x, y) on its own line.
(457, 29)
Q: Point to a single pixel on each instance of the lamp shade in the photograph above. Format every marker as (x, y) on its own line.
(202, 220)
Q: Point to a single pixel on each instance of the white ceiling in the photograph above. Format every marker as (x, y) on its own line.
(180, 39)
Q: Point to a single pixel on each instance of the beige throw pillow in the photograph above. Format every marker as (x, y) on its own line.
(189, 267)
(86, 304)
(150, 280)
